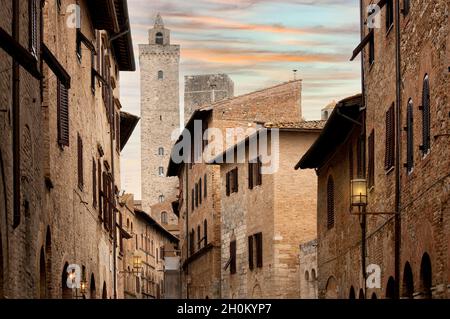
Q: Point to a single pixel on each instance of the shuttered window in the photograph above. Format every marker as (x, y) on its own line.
(228, 190)
(205, 186)
(426, 122)
(94, 183)
(235, 181)
(233, 257)
(250, 253)
(196, 195)
(80, 163)
(390, 139)
(205, 231)
(330, 202)
(258, 172)
(372, 50)
(389, 14)
(200, 190)
(33, 36)
(191, 242)
(62, 114)
(199, 238)
(250, 175)
(99, 191)
(118, 132)
(259, 250)
(371, 169)
(409, 137)
(192, 200)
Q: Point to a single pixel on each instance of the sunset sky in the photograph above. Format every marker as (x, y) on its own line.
(258, 43)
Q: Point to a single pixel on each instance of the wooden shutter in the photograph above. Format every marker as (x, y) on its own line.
(371, 173)
(199, 238)
(33, 23)
(105, 201)
(94, 183)
(330, 203)
(259, 250)
(390, 139)
(205, 185)
(250, 175)
(235, 180)
(228, 184)
(233, 257)
(200, 190)
(192, 200)
(409, 137)
(205, 230)
(196, 195)
(62, 114)
(250, 252)
(258, 168)
(426, 122)
(99, 191)
(118, 132)
(80, 163)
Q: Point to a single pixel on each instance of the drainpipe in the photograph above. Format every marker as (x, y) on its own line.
(397, 224)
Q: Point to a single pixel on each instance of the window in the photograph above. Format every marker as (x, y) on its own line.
(33, 16)
(160, 75)
(80, 163)
(191, 242)
(390, 139)
(196, 195)
(371, 173)
(259, 250)
(118, 132)
(233, 257)
(232, 183)
(205, 187)
(250, 253)
(389, 14)
(78, 49)
(94, 183)
(58, 4)
(161, 198)
(164, 217)
(159, 39)
(161, 171)
(254, 173)
(99, 189)
(199, 238)
(426, 122)
(161, 151)
(205, 231)
(63, 114)
(193, 200)
(409, 137)
(406, 7)
(330, 203)
(200, 190)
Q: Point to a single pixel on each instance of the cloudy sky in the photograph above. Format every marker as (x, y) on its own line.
(258, 43)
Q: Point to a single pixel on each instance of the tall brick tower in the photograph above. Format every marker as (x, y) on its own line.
(159, 64)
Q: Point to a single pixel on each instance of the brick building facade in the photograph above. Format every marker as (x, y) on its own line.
(200, 195)
(265, 217)
(405, 156)
(69, 146)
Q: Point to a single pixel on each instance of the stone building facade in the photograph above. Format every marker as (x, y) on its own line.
(265, 217)
(308, 270)
(160, 115)
(201, 90)
(200, 196)
(152, 242)
(71, 148)
(406, 161)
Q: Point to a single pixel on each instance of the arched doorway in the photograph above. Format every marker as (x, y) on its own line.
(361, 294)
(425, 277)
(42, 276)
(48, 261)
(104, 291)
(93, 292)
(408, 282)
(390, 288)
(374, 296)
(66, 292)
(2, 294)
(331, 290)
(352, 294)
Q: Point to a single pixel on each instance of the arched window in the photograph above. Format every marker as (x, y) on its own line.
(426, 122)
(164, 217)
(330, 202)
(361, 294)
(205, 231)
(42, 276)
(331, 291)
(92, 287)
(409, 137)
(161, 151)
(66, 292)
(352, 294)
(374, 296)
(425, 277)
(306, 275)
(160, 75)
(161, 198)
(104, 291)
(159, 39)
(390, 288)
(313, 274)
(408, 282)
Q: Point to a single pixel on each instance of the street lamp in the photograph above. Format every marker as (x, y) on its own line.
(137, 263)
(359, 192)
(83, 287)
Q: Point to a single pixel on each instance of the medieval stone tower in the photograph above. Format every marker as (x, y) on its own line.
(159, 64)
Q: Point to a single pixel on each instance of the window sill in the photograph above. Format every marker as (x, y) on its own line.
(389, 170)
